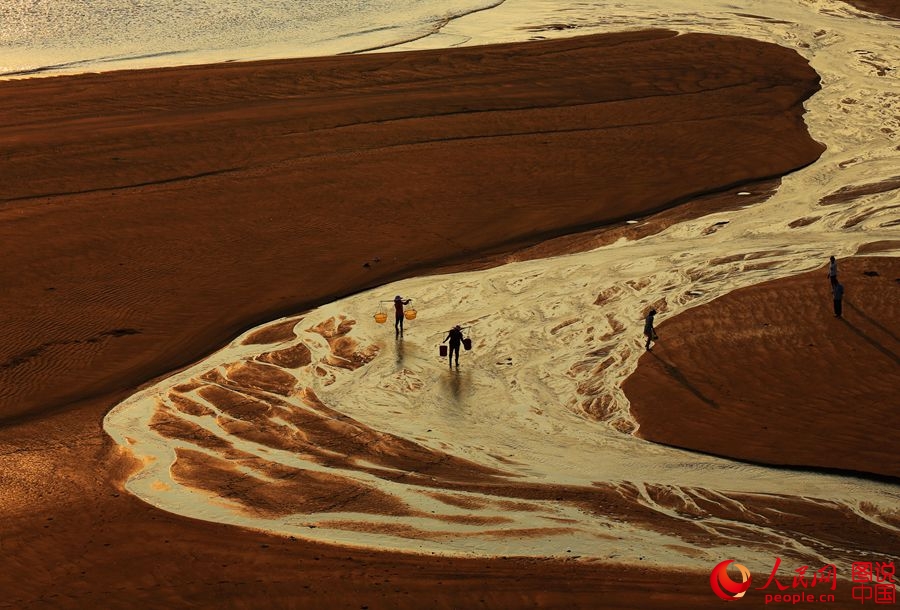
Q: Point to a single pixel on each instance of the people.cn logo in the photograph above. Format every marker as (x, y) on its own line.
(723, 586)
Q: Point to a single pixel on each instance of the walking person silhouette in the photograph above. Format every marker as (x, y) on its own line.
(832, 272)
(455, 336)
(649, 331)
(399, 302)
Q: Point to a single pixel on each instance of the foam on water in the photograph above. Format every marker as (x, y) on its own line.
(516, 404)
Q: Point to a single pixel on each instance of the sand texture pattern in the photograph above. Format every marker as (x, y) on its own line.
(768, 373)
(371, 440)
(229, 194)
(888, 8)
(166, 212)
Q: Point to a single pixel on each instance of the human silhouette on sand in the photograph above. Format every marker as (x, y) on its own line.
(832, 272)
(455, 336)
(649, 331)
(399, 302)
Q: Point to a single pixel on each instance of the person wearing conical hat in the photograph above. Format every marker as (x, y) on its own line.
(455, 336)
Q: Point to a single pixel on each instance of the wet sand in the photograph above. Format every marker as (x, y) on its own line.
(888, 8)
(143, 214)
(768, 374)
(155, 214)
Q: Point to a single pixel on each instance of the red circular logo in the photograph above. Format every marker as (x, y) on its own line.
(723, 586)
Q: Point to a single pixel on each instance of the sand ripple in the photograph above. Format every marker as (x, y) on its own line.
(340, 433)
(369, 441)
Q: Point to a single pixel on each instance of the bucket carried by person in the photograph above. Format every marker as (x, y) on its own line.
(380, 316)
(442, 350)
(467, 343)
(410, 314)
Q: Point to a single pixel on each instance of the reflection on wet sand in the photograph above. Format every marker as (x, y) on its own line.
(248, 439)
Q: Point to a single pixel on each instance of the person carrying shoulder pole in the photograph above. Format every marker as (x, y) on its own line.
(455, 336)
(399, 302)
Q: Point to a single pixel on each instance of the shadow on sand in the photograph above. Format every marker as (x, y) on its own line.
(678, 376)
(868, 339)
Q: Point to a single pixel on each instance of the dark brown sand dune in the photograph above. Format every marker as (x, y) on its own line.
(768, 374)
(148, 216)
(888, 8)
(168, 209)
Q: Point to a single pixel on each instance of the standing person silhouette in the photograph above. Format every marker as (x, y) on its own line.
(832, 272)
(455, 336)
(649, 331)
(837, 290)
(399, 302)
